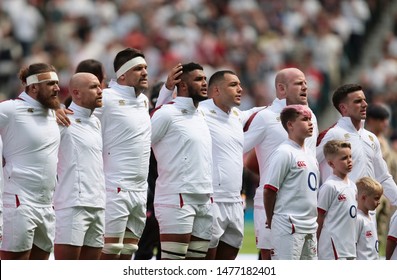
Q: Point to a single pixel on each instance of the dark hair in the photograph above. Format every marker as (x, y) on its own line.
(218, 76)
(187, 68)
(191, 66)
(292, 112)
(377, 112)
(341, 93)
(124, 56)
(35, 68)
(91, 66)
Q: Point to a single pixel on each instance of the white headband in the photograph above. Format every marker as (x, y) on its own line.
(41, 77)
(129, 64)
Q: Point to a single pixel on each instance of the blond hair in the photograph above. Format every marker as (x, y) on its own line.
(369, 186)
(332, 147)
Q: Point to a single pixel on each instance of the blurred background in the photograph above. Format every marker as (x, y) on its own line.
(331, 41)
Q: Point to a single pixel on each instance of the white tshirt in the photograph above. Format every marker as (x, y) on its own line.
(367, 237)
(181, 143)
(338, 235)
(31, 138)
(294, 177)
(227, 149)
(366, 155)
(81, 181)
(265, 133)
(126, 133)
(392, 234)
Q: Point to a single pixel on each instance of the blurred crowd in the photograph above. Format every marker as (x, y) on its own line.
(255, 38)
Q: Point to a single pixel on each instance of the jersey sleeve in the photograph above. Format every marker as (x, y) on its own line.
(7, 109)
(160, 121)
(280, 161)
(246, 114)
(383, 175)
(165, 96)
(326, 195)
(393, 226)
(254, 132)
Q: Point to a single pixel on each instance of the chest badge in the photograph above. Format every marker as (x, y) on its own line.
(78, 120)
(31, 110)
(122, 102)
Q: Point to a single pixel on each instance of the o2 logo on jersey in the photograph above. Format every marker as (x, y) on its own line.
(353, 211)
(312, 181)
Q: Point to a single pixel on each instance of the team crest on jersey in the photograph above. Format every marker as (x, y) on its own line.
(184, 111)
(121, 102)
(145, 103)
(368, 233)
(78, 120)
(301, 164)
(278, 119)
(30, 110)
(347, 136)
(213, 112)
(371, 138)
(342, 197)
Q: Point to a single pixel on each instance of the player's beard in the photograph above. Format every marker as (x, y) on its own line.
(197, 96)
(48, 101)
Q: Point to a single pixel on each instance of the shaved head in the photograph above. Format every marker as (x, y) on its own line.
(85, 90)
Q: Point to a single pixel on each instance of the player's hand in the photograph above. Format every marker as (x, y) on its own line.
(62, 118)
(173, 77)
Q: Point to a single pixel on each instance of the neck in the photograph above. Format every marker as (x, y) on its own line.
(299, 141)
(363, 209)
(356, 123)
(221, 106)
(341, 176)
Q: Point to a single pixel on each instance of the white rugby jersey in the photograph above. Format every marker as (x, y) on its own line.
(338, 235)
(367, 236)
(81, 180)
(366, 155)
(31, 138)
(227, 149)
(126, 133)
(294, 177)
(181, 142)
(265, 133)
(392, 234)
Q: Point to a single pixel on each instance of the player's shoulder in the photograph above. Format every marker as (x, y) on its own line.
(261, 119)
(284, 149)
(10, 104)
(370, 136)
(163, 110)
